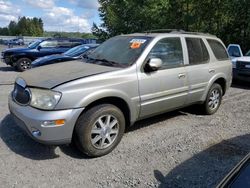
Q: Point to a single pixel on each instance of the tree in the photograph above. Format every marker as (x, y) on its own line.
(24, 26)
(228, 19)
(12, 28)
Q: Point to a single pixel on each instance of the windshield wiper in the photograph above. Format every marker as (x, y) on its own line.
(105, 61)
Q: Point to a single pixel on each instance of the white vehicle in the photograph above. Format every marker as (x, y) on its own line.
(241, 63)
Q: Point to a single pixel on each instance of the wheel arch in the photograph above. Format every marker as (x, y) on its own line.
(219, 79)
(116, 101)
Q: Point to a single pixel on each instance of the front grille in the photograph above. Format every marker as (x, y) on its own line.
(21, 95)
(242, 65)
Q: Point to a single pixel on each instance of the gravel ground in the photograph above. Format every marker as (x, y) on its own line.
(177, 149)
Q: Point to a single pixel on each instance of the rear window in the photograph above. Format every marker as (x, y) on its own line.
(197, 51)
(218, 49)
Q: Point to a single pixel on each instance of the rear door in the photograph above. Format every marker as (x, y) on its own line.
(198, 72)
(220, 63)
(166, 88)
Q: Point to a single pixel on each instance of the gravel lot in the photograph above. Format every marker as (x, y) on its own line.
(177, 149)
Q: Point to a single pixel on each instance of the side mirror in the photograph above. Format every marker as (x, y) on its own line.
(153, 64)
(39, 48)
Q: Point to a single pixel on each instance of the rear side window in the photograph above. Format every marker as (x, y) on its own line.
(218, 49)
(64, 44)
(197, 51)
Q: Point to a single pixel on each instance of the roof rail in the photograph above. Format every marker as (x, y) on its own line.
(176, 31)
(163, 31)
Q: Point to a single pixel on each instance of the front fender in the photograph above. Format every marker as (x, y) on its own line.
(133, 103)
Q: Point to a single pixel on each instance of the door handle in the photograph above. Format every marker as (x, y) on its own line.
(211, 71)
(181, 75)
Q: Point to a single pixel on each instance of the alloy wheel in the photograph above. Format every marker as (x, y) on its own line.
(104, 131)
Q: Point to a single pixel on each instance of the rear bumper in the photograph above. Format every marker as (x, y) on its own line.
(243, 75)
(31, 119)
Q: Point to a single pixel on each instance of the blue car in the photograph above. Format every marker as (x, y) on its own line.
(72, 54)
(21, 58)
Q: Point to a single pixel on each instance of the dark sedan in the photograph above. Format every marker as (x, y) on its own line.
(21, 58)
(72, 54)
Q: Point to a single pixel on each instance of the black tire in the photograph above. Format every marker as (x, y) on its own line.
(84, 137)
(23, 64)
(210, 106)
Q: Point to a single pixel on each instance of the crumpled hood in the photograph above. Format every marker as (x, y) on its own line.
(52, 75)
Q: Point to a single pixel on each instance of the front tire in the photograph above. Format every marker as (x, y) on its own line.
(23, 64)
(99, 130)
(213, 100)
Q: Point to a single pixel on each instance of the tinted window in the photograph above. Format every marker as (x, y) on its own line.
(218, 49)
(64, 44)
(234, 51)
(197, 51)
(169, 50)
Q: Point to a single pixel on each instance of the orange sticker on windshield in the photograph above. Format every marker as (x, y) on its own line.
(135, 45)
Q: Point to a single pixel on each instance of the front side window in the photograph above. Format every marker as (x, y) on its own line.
(197, 51)
(169, 50)
(218, 49)
(49, 44)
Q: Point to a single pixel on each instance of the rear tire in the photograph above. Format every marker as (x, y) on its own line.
(99, 130)
(23, 64)
(213, 100)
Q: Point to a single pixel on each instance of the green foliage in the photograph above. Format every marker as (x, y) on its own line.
(24, 26)
(228, 19)
(68, 34)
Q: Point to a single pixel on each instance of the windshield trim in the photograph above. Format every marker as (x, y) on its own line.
(34, 44)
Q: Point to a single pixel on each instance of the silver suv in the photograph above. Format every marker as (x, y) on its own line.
(127, 78)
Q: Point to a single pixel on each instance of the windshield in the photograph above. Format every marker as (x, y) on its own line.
(76, 51)
(122, 50)
(34, 44)
(248, 53)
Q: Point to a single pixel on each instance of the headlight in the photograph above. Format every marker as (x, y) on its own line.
(44, 99)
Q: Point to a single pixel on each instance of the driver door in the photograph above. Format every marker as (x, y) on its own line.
(166, 88)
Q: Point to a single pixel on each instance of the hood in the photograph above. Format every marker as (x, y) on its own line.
(17, 50)
(53, 75)
(244, 58)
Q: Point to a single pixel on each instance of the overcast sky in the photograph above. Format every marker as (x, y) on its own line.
(57, 15)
